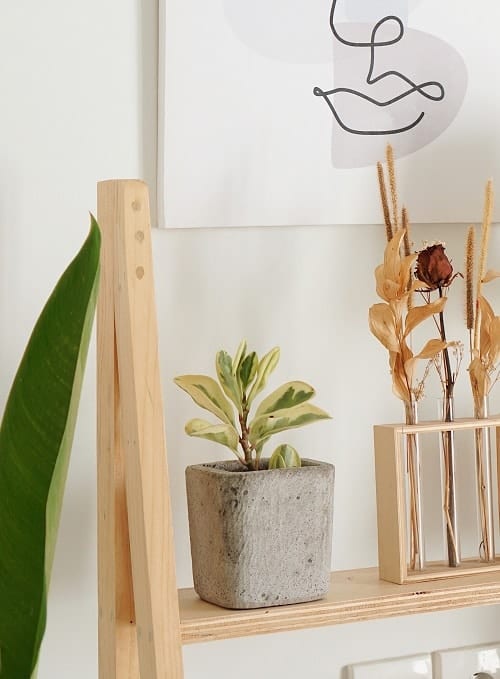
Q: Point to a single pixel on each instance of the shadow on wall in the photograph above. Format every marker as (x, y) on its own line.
(147, 27)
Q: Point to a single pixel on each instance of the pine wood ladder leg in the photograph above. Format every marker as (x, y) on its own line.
(117, 634)
(134, 500)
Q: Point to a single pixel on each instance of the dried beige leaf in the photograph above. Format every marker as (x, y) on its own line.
(480, 381)
(486, 316)
(392, 256)
(392, 277)
(383, 326)
(400, 383)
(495, 341)
(406, 266)
(386, 288)
(490, 275)
(418, 314)
(432, 348)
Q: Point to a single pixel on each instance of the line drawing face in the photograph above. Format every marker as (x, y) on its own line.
(388, 81)
(379, 39)
(391, 82)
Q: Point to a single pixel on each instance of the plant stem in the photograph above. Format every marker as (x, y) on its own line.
(448, 376)
(483, 476)
(448, 452)
(244, 440)
(415, 500)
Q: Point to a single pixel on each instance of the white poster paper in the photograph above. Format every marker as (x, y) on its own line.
(275, 112)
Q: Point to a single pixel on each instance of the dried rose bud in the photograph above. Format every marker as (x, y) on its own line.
(434, 268)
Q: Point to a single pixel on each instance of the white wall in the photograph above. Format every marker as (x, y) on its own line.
(77, 106)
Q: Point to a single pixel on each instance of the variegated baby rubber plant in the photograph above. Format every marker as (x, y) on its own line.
(241, 379)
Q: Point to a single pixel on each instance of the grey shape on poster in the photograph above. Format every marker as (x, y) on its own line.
(372, 10)
(363, 11)
(482, 675)
(298, 31)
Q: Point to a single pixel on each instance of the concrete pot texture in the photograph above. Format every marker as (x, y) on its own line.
(260, 539)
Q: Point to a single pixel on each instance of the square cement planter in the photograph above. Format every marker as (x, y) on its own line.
(261, 538)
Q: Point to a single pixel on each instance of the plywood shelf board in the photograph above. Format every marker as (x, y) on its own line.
(354, 596)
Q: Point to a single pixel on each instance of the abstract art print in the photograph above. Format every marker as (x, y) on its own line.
(275, 112)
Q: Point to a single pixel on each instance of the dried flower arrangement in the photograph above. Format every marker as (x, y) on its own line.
(427, 276)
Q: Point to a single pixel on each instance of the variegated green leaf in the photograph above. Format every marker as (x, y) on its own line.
(266, 365)
(284, 457)
(239, 356)
(225, 434)
(287, 396)
(206, 393)
(289, 418)
(229, 383)
(248, 370)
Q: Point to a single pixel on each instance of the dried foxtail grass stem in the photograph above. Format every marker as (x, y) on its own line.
(469, 283)
(392, 186)
(405, 221)
(483, 256)
(406, 226)
(383, 200)
(485, 233)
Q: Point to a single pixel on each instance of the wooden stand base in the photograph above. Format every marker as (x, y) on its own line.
(437, 571)
(392, 516)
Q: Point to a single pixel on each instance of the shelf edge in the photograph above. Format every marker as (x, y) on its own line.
(211, 623)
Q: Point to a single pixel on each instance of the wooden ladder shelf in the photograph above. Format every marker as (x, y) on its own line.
(143, 618)
(139, 630)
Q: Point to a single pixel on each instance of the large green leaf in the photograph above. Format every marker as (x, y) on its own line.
(35, 441)
(206, 393)
(289, 418)
(288, 395)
